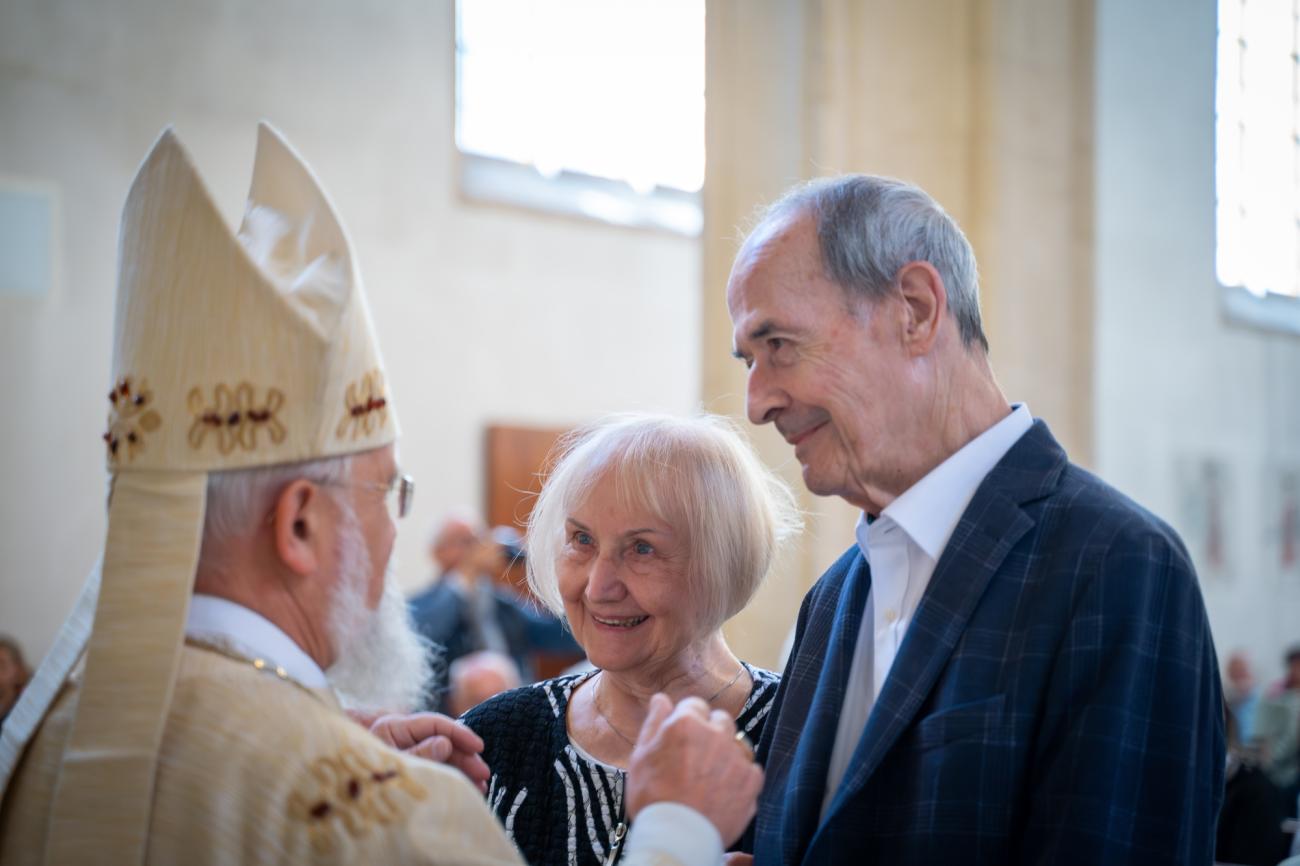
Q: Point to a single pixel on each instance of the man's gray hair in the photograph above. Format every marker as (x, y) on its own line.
(698, 475)
(869, 227)
(239, 498)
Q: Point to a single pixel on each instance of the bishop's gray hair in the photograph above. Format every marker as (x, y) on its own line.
(869, 227)
(239, 498)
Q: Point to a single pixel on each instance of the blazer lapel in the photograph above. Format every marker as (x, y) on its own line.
(990, 527)
(800, 754)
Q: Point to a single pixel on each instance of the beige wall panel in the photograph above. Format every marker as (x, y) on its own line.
(1032, 176)
(755, 146)
(893, 91)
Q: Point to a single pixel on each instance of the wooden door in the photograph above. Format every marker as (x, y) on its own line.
(516, 465)
(516, 461)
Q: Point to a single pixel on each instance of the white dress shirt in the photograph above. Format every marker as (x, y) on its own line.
(249, 633)
(902, 546)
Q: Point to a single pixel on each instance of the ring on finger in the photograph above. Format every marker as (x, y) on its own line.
(744, 743)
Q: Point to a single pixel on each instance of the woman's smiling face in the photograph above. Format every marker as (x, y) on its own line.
(623, 575)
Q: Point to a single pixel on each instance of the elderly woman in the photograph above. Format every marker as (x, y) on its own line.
(650, 533)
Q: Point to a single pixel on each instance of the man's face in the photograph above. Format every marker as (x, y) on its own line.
(373, 472)
(1239, 671)
(380, 661)
(454, 541)
(830, 373)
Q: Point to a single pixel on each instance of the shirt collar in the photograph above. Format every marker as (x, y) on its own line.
(930, 509)
(253, 635)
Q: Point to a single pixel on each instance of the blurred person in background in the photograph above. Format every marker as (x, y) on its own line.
(649, 534)
(1277, 730)
(1242, 693)
(14, 674)
(466, 609)
(479, 676)
(1250, 822)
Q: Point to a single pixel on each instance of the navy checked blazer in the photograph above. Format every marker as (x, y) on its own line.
(1056, 698)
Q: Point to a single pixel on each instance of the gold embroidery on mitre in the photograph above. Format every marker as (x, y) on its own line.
(130, 418)
(365, 406)
(233, 417)
(349, 791)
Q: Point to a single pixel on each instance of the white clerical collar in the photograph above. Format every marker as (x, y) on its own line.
(251, 634)
(930, 509)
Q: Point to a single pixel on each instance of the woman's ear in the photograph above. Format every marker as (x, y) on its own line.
(298, 524)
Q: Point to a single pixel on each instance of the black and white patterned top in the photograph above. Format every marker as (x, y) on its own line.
(559, 804)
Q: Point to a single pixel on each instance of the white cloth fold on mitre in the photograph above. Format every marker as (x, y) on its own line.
(319, 286)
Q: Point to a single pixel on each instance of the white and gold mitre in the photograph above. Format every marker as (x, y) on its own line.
(246, 349)
(231, 350)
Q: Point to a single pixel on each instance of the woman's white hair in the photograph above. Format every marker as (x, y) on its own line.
(699, 475)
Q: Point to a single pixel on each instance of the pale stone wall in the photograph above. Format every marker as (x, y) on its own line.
(1176, 381)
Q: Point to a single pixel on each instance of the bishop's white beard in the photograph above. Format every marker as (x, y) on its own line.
(381, 662)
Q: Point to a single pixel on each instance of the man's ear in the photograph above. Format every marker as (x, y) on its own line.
(925, 300)
(297, 523)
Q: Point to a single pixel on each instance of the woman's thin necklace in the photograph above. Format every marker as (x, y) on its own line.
(624, 737)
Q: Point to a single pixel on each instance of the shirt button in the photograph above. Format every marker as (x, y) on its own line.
(891, 616)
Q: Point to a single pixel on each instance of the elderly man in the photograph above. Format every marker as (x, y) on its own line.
(245, 588)
(1013, 663)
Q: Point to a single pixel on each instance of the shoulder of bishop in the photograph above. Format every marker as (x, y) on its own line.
(289, 754)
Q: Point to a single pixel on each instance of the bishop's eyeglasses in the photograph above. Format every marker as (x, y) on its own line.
(398, 493)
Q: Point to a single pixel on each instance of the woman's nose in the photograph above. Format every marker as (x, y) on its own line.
(605, 582)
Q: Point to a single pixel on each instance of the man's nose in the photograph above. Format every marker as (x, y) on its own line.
(763, 399)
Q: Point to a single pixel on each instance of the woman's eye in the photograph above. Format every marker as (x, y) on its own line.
(775, 343)
(642, 548)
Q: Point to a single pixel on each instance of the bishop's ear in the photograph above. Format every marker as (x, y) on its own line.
(297, 522)
(925, 300)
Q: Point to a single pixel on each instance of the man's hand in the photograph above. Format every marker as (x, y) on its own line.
(435, 737)
(689, 755)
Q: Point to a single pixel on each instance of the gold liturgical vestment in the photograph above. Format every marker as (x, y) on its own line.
(257, 769)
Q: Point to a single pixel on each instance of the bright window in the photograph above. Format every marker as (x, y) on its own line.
(1258, 146)
(606, 90)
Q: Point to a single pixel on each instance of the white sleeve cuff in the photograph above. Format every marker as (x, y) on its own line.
(676, 831)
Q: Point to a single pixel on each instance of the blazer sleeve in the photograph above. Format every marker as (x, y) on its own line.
(1129, 761)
